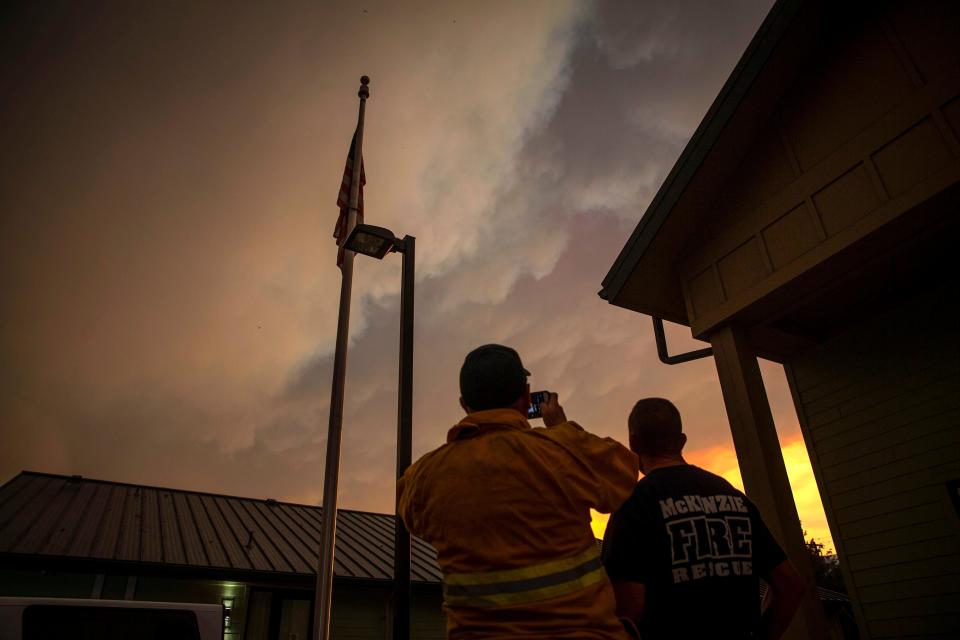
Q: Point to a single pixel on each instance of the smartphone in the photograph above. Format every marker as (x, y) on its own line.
(536, 399)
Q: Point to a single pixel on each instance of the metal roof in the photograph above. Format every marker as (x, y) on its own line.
(77, 518)
(71, 517)
(826, 595)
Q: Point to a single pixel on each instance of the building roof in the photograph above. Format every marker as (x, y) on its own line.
(826, 595)
(75, 518)
(714, 150)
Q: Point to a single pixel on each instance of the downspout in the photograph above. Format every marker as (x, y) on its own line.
(666, 358)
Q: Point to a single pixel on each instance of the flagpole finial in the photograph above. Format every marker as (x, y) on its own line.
(364, 91)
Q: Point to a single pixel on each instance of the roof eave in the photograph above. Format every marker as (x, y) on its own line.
(702, 142)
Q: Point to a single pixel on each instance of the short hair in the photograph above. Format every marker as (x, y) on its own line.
(492, 377)
(655, 427)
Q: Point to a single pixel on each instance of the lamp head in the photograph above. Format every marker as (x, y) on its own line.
(370, 240)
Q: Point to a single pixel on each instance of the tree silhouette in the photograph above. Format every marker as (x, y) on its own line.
(826, 566)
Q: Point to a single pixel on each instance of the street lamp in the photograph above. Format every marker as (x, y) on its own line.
(377, 242)
(372, 241)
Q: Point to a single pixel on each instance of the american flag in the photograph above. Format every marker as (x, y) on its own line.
(343, 200)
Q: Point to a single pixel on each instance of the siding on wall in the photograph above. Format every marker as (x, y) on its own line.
(363, 613)
(866, 132)
(360, 612)
(880, 410)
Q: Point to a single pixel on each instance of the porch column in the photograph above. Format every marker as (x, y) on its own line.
(761, 465)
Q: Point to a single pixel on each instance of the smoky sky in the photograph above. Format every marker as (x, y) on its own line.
(168, 184)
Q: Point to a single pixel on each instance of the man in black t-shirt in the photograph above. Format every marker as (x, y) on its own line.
(686, 550)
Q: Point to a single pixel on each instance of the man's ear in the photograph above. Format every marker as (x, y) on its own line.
(683, 441)
(464, 406)
(633, 439)
(522, 404)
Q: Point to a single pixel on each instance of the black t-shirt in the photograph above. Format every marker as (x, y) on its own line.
(699, 546)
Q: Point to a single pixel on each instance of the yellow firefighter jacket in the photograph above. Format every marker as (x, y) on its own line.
(507, 508)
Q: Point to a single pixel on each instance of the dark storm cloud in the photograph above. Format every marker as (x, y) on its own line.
(172, 295)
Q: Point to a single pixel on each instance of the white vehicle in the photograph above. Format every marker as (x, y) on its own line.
(57, 618)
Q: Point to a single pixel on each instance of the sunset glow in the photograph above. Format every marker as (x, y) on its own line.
(722, 460)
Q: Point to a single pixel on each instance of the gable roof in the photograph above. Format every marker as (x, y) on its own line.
(71, 517)
(714, 150)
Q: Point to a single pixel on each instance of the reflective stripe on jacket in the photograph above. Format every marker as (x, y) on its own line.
(524, 585)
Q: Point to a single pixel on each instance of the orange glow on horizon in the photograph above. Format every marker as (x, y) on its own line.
(722, 460)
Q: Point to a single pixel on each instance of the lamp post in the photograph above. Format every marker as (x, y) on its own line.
(377, 242)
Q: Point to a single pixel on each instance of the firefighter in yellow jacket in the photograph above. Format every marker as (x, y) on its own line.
(507, 508)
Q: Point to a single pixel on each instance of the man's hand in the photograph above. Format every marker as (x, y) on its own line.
(782, 600)
(551, 411)
(631, 600)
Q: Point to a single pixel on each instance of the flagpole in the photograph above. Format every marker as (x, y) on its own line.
(324, 591)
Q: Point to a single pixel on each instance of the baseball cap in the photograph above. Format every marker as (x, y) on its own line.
(492, 376)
